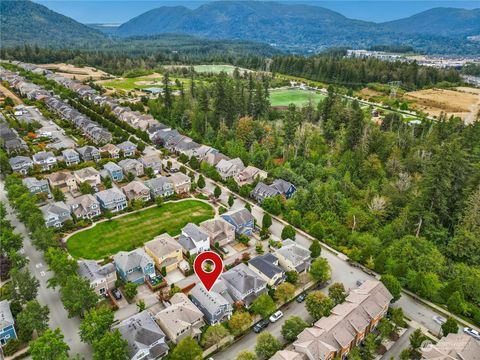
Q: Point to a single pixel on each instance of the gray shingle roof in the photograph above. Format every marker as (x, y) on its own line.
(243, 279)
(92, 271)
(6, 317)
(266, 265)
(240, 216)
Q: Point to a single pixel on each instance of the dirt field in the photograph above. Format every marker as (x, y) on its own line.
(463, 102)
(11, 95)
(80, 73)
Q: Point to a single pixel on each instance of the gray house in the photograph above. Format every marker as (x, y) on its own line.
(114, 171)
(89, 153)
(85, 206)
(243, 284)
(152, 161)
(194, 239)
(101, 278)
(71, 157)
(45, 160)
(128, 148)
(216, 304)
(267, 267)
(112, 199)
(56, 214)
(161, 186)
(145, 338)
(131, 166)
(293, 257)
(20, 164)
(36, 186)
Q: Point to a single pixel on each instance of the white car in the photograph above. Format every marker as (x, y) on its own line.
(439, 319)
(472, 332)
(276, 316)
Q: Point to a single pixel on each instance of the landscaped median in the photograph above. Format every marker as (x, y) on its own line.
(130, 231)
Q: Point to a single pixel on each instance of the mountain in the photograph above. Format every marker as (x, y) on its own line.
(23, 21)
(439, 21)
(306, 28)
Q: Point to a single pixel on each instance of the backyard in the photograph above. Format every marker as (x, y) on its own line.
(298, 97)
(133, 230)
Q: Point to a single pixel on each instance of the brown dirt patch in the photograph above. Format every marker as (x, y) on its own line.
(80, 73)
(11, 95)
(240, 247)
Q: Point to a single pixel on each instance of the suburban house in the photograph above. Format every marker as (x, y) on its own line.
(193, 239)
(216, 304)
(201, 152)
(242, 220)
(135, 190)
(132, 166)
(278, 187)
(84, 206)
(101, 278)
(20, 164)
(144, 337)
(161, 186)
(71, 157)
(229, 168)
(243, 284)
(134, 266)
(347, 325)
(219, 231)
(112, 199)
(453, 347)
(112, 151)
(213, 158)
(181, 182)
(165, 251)
(64, 180)
(182, 318)
(249, 175)
(45, 160)
(55, 214)
(152, 161)
(89, 153)
(287, 355)
(36, 186)
(266, 266)
(7, 323)
(293, 257)
(10, 139)
(88, 175)
(114, 171)
(128, 148)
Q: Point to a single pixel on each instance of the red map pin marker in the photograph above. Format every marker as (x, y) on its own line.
(208, 278)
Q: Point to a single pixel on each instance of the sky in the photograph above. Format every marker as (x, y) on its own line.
(119, 11)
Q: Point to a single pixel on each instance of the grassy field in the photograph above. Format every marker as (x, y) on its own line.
(285, 97)
(131, 231)
(215, 69)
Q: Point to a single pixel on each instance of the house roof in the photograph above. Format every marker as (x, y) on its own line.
(127, 145)
(158, 182)
(84, 201)
(88, 149)
(92, 271)
(19, 160)
(294, 252)
(111, 167)
(239, 216)
(134, 187)
(265, 190)
(266, 264)
(86, 172)
(43, 155)
(217, 224)
(453, 346)
(110, 195)
(69, 153)
(110, 148)
(57, 208)
(192, 235)
(179, 177)
(281, 185)
(162, 245)
(129, 162)
(148, 159)
(243, 279)
(60, 176)
(30, 182)
(132, 259)
(287, 355)
(6, 317)
(214, 299)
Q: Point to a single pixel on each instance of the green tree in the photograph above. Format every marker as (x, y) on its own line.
(141, 305)
(33, 317)
(292, 327)
(393, 285)
(456, 303)
(130, 290)
(396, 315)
(263, 305)
(369, 347)
(217, 192)
(337, 293)
(291, 277)
(61, 265)
(49, 346)
(85, 188)
(231, 200)
(77, 296)
(284, 292)
(149, 172)
(239, 322)
(187, 349)
(23, 286)
(318, 304)
(288, 232)
(315, 249)
(320, 270)
(246, 355)
(214, 334)
(110, 346)
(266, 221)
(449, 327)
(201, 182)
(385, 328)
(267, 345)
(58, 194)
(95, 324)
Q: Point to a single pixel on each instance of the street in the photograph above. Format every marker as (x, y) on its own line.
(47, 296)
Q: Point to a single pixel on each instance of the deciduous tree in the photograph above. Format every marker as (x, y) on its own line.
(267, 345)
(49, 346)
(292, 327)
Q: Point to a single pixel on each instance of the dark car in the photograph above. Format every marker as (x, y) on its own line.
(300, 298)
(262, 324)
(116, 294)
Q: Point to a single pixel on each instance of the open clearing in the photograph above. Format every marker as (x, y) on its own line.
(80, 73)
(298, 97)
(463, 101)
(133, 230)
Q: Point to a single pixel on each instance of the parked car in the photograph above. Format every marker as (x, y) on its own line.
(276, 316)
(116, 294)
(259, 326)
(472, 332)
(439, 319)
(360, 282)
(300, 298)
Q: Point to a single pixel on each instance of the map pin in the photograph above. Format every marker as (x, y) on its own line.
(208, 278)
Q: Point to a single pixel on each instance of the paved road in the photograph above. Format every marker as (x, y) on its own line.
(46, 296)
(402, 343)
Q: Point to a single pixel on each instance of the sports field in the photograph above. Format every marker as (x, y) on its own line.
(298, 97)
(131, 231)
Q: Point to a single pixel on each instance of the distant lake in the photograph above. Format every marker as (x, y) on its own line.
(120, 11)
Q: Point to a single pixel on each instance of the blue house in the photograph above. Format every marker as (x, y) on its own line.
(134, 266)
(242, 220)
(114, 171)
(7, 323)
(284, 187)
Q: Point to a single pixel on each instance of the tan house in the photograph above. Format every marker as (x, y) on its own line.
(219, 230)
(112, 150)
(89, 175)
(64, 180)
(181, 182)
(453, 347)
(165, 251)
(136, 190)
(101, 278)
(131, 166)
(180, 319)
(287, 355)
(249, 175)
(347, 325)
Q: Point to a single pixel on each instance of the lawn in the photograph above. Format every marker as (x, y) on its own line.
(215, 69)
(131, 231)
(141, 82)
(299, 97)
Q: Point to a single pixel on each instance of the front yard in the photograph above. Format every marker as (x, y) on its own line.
(131, 231)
